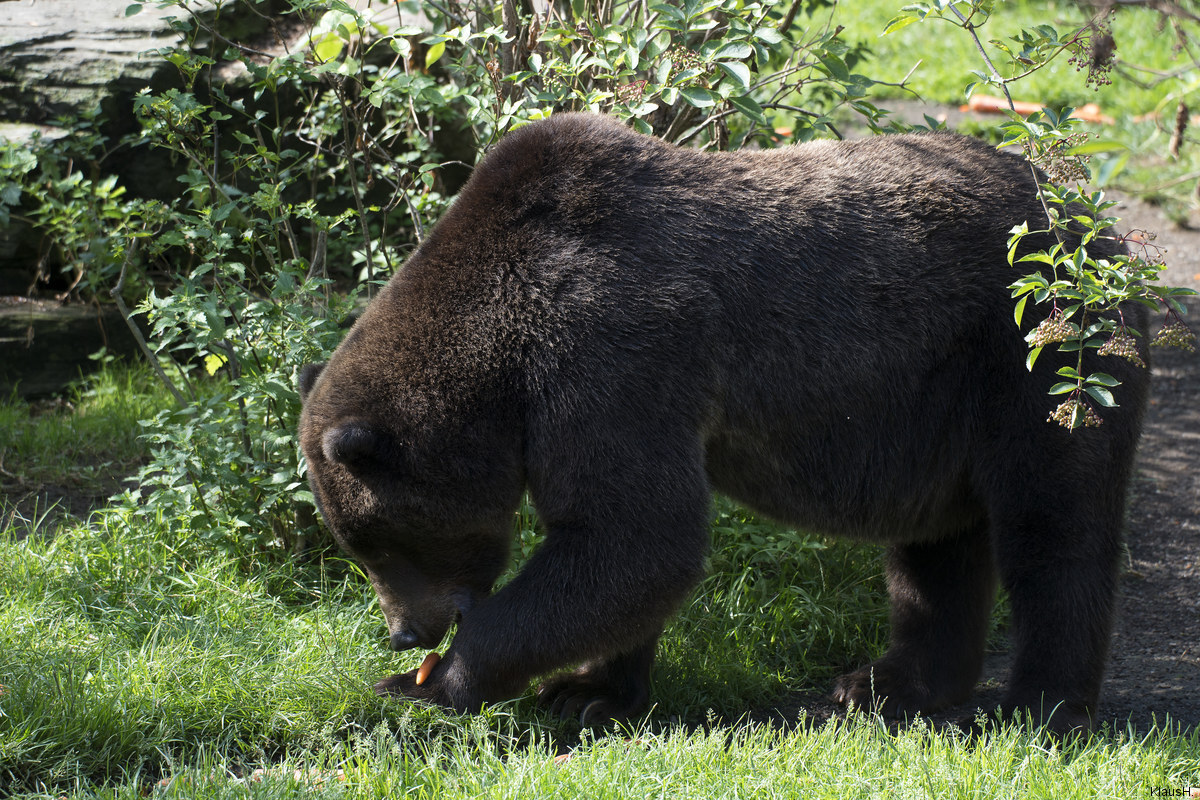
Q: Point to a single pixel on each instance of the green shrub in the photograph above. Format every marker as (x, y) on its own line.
(303, 185)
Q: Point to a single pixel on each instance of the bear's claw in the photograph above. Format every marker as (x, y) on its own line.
(573, 696)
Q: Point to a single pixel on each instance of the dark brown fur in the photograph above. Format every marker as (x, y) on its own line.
(823, 332)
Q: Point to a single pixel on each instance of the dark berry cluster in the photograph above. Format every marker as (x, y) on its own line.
(1073, 412)
(1096, 52)
(1054, 328)
(682, 59)
(1123, 345)
(1176, 333)
(1059, 164)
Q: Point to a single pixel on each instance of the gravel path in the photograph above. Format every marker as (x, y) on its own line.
(1154, 669)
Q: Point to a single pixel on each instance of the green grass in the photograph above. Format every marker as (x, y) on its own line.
(129, 664)
(854, 760)
(139, 658)
(87, 442)
(937, 58)
(122, 645)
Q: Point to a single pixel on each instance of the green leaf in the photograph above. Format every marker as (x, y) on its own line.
(1044, 258)
(737, 71)
(1032, 358)
(328, 48)
(899, 23)
(135, 8)
(768, 35)
(431, 95)
(216, 323)
(761, 54)
(434, 53)
(400, 45)
(733, 50)
(697, 97)
(834, 66)
(662, 72)
(1101, 395)
(1063, 388)
(668, 10)
(1020, 310)
(223, 211)
(750, 108)
(213, 362)
(1097, 146)
(1103, 378)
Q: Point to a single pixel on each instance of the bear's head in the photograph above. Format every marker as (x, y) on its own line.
(421, 499)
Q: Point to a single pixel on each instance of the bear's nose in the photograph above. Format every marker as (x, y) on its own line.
(403, 640)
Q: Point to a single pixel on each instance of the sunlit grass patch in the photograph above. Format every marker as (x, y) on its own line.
(88, 436)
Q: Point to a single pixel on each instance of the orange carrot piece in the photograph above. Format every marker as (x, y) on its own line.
(427, 666)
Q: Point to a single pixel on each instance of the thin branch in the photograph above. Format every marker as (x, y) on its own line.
(970, 28)
(137, 333)
(355, 189)
(696, 130)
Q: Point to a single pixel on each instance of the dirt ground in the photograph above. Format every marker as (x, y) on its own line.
(1154, 669)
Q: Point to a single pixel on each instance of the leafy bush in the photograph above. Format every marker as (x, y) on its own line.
(322, 165)
(307, 176)
(1084, 292)
(84, 217)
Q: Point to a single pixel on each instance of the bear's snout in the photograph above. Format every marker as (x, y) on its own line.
(404, 640)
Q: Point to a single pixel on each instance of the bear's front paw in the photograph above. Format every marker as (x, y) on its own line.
(890, 689)
(444, 682)
(593, 702)
(405, 685)
(416, 684)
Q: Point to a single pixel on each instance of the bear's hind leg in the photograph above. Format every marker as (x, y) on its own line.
(616, 687)
(1060, 569)
(941, 595)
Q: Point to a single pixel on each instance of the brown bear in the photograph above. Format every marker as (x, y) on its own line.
(621, 327)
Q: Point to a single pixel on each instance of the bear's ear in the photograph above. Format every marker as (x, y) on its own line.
(308, 376)
(352, 444)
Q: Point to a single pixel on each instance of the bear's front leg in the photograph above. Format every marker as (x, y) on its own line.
(436, 686)
(614, 565)
(609, 689)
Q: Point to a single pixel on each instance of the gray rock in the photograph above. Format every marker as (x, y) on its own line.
(63, 56)
(46, 346)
